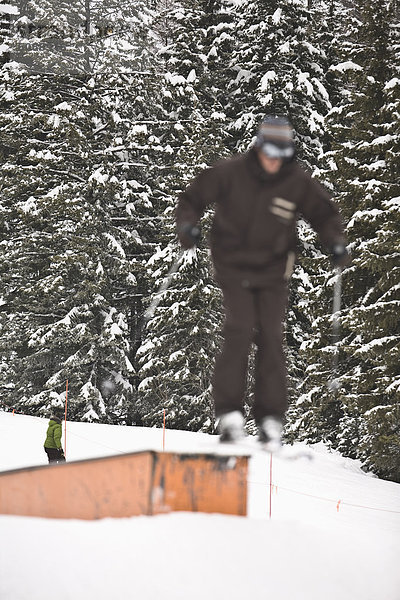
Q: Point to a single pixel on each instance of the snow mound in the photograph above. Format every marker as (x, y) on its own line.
(334, 531)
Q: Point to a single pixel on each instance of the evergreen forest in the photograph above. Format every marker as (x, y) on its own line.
(108, 109)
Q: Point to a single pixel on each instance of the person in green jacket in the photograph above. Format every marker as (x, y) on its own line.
(52, 444)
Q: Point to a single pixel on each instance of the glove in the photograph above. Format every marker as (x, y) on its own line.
(340, 256)
(189, 235)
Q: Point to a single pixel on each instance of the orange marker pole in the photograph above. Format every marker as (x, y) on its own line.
(270, 486)
(338, 505)
(13, 411)
(163, 440)
(65, 420)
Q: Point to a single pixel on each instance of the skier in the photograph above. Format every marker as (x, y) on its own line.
(258, 198)
(52, 444)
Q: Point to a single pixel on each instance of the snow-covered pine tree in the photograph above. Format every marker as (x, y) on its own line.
(363, 420)
(278, 70)
(315, 414)
(196, 137)
(181, 342)
(71, 200)
(62, 259)
(197, 79)
(82, 36)
(374, 321)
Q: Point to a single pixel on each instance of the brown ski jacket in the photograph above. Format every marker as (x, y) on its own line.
(253, 234)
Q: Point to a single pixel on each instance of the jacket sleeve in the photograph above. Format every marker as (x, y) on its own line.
(323, 214)
(201, 193)
(57, 436)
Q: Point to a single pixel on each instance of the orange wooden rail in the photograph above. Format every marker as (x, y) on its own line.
(142, 483)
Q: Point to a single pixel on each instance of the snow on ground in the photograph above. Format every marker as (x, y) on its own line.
(313, 548)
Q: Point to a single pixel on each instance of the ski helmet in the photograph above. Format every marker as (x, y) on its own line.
(275, 137)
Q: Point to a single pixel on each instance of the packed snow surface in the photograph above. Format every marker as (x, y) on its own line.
(333, 535)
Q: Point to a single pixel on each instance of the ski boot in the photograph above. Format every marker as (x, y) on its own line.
(230, 427)
(270, 433)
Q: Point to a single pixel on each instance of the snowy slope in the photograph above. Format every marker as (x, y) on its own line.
(313, 548)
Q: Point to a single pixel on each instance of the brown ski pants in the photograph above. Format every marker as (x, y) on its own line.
(252, 315)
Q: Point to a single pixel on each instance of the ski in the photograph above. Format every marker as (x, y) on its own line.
(252, 446)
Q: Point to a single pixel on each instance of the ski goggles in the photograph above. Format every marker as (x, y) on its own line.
(277, 149)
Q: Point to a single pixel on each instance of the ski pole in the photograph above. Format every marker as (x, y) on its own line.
(334, 384)
(163, 287)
